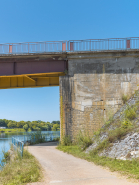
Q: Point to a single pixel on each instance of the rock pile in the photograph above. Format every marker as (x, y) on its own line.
(125, 148)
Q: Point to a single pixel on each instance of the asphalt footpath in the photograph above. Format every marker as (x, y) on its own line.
(60, 168)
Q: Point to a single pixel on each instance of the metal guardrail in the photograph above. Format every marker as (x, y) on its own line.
(70, 46)
(18, 143)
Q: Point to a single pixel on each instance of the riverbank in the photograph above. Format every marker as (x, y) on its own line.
(21, 170)
(13, 130)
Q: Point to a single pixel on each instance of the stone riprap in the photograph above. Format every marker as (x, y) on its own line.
(128, 146)
(124, 149)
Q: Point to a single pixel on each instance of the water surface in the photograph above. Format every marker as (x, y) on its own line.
(6, 139)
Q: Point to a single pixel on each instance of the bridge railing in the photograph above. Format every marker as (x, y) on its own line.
(70, 46)
(104, 44)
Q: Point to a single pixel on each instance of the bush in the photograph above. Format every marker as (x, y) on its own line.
(124, 98)
(83, 139)
(97, 133)
(37, 137)
(56, 139)
(130, 112)
(66, 141)
(104, 144)
(6, 157)
(118, 133)
(126, 123)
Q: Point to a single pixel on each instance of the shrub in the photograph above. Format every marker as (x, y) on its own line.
(124, 98)
(130, 112)
(37, 137)
(66, 141)
(6, 157)
(97, 133)
(56, 139)
(126, 123)
(104, 144)
(83, 139)
(116, 134)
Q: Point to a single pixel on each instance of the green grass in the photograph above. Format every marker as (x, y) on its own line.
(129, 168)
(21, 170)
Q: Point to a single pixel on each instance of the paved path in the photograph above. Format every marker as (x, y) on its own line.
(64, 169)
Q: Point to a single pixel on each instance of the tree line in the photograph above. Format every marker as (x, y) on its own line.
(31, 125)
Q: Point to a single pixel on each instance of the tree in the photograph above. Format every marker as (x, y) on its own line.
(12, 124)
(55, 122)
(56, 127)
(2, 123)
(20, 124)
(25, 127)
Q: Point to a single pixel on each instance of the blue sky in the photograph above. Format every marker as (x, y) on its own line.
(48, 20)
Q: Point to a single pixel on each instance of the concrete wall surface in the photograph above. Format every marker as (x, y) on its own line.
(94, 87)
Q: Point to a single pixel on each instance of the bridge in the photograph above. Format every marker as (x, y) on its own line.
(92, 74)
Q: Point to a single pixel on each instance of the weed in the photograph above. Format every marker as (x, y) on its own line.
(6, 157)
(83, 139)
(56, 139)
(37, 137)
(104, 144)
(66, 141)
(130, 112)
(124, 98)
(97, 133)
(126, 123)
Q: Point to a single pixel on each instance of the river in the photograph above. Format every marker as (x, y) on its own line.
(6, 140)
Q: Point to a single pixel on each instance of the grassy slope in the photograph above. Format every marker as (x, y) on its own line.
(21, 171)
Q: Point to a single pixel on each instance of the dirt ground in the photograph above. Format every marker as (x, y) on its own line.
(64, 169)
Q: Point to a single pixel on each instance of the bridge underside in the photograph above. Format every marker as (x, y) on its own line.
(36, 70)
(30, 80)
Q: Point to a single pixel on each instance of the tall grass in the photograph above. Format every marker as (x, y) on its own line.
(124, 98)
(21, 170)
(83, 139)
(37, 137)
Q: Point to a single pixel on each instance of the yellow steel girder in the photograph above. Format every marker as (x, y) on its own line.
(30, 80)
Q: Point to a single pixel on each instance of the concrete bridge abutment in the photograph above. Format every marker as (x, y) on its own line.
(93, 88)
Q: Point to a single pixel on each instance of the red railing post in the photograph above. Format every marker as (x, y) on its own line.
(28, 47)
(63, 46)
(10, 48)
(71, 46)
(128, 44)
